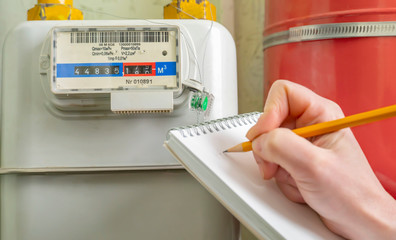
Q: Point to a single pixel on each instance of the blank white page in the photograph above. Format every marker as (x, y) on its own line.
(259, 201)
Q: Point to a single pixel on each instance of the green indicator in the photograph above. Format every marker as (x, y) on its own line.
(205, 104)
(200, 101)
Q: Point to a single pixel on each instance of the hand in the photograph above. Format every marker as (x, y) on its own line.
(330, 172)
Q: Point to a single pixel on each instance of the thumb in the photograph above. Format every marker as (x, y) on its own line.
(293, 153)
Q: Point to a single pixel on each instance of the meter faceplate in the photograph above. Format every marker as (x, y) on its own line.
(106, 59)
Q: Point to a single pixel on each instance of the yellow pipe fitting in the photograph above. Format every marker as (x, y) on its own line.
(190, 9)
(54, 10)
(64, 2)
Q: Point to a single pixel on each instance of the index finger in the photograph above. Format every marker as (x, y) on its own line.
(290, 100)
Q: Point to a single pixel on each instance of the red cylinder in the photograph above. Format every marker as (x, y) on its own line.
(359, 73)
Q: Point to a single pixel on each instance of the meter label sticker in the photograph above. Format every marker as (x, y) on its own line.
(88, 59)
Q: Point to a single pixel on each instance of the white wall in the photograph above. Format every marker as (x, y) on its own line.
(249, 24)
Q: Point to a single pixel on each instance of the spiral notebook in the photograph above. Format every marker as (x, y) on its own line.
(234, 179)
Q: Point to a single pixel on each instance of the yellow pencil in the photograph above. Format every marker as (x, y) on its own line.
(331, 126)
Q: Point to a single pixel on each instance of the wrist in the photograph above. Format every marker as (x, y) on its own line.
(387, 218)
(379, 219)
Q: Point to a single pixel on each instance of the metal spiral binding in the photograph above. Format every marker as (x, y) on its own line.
(330, 31)
(218, 124)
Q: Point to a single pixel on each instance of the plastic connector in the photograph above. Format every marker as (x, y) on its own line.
(201, 102)
(141, 102)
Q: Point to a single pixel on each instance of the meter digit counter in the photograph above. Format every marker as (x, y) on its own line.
(89, 70)
(115, 70)
(128, 63)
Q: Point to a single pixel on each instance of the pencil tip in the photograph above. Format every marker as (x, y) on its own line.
(225, 151)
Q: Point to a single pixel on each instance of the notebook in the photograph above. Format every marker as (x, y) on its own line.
(234, 179)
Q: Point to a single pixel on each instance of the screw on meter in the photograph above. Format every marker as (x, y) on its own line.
(106, 59)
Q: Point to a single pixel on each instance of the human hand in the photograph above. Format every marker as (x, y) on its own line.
(330, 172)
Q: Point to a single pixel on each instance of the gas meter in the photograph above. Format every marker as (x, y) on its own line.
(131, 69)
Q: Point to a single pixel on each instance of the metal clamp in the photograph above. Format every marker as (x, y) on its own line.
(330, 31)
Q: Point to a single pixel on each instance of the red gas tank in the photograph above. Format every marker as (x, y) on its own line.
(344, 51)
